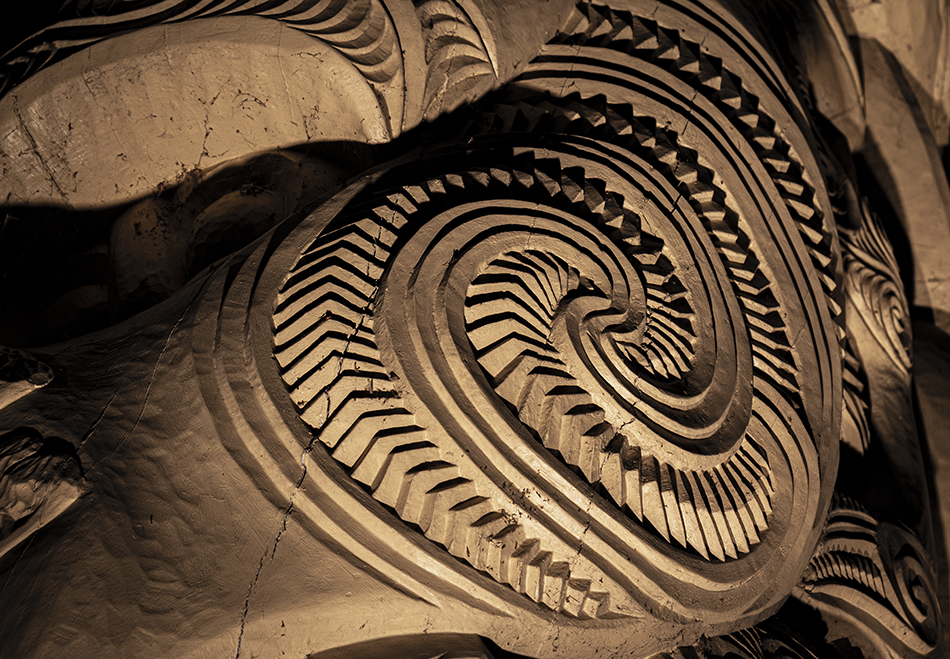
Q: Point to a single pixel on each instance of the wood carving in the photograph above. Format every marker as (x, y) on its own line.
(613, 335)
(310, 72)
(525, 330)
(873, 577)
(585, 320)
(879, 325)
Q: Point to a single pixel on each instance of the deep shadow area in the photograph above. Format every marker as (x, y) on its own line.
(66, 272)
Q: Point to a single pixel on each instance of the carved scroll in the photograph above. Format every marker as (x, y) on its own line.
(572, 354)
(873, 585)
(879, 416)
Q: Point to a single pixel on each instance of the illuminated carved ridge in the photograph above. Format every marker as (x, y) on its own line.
(327, 353)
(362, 31)
(596, 25)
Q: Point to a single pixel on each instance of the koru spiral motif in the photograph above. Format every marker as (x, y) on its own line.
(872, 580)
(590, 349)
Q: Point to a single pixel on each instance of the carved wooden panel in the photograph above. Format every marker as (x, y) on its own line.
(605, 355)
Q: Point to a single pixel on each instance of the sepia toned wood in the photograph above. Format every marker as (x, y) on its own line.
(593, 330)
(215, 83)
(459, 329)
(916, 35)
(872, 582)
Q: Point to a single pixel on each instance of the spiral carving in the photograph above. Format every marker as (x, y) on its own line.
(592, 355)
(616, 26)
(873, 575)
(913, 578)
(875, 285)
(484, 340)
(586, 350)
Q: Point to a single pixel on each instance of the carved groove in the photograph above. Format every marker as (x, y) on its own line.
(525, 370)
(327, 353)
(596, 25)
(459, 67)
(571, 341)
(616, 124)
(874, 278)
(361, 29)
(876, 573)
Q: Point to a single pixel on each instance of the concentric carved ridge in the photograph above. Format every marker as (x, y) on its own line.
(586, 326)
(617, 124)
(512, 305)
(459, 66)
(874, 278)
(597, 25)
(326, 349)
(580, 254)
(362, 31)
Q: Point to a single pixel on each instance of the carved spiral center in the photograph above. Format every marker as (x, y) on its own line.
(507, 355)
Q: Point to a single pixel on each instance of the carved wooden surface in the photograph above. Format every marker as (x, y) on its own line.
(875, 577)
(614, 360)
(239, 78)
(590, 318)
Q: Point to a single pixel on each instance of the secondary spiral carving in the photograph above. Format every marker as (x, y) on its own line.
(875, 281)
(874, 575)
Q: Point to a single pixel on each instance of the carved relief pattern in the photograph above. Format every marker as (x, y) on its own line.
(361, 30)
(346, 393)
(874, 281)
(526, 371)
(876, 295)
(753, 643)
(590, 342)
(875, 576)
(597, 25)
(459, 66)
(879, 408)
(482, 345)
